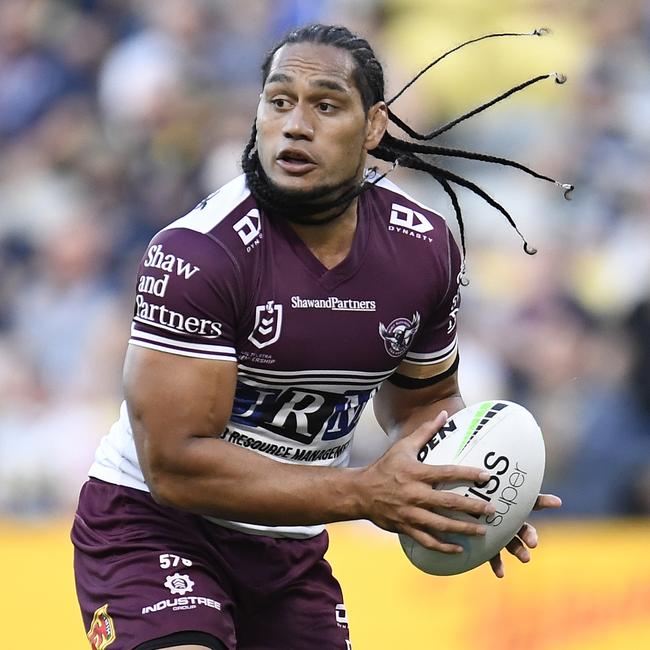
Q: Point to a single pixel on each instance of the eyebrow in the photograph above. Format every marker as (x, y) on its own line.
(281, 77)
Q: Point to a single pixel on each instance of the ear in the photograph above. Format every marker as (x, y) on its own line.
(376, 125)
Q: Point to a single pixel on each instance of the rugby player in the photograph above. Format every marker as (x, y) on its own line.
(265, 320)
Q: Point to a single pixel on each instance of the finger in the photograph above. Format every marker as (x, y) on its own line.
(431, 542)
(547, 501)
(435, 523)
(435, 474)
(496, 563)
(416, 440)
(528, 535)
(441, 499)
(516, 547)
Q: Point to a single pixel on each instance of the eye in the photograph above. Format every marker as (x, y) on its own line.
(280, 103)
(325, 107)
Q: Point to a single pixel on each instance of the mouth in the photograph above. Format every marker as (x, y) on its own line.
(295, 161)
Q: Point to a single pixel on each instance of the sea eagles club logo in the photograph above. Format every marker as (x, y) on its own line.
(268, 323)
(399, 334)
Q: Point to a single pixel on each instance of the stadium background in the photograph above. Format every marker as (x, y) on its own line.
(117, 116)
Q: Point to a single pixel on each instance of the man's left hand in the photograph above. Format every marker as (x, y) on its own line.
(526, 538)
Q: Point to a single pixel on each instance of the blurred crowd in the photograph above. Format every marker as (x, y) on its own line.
(117, 116)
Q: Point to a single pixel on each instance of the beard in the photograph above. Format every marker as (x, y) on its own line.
(312, 207)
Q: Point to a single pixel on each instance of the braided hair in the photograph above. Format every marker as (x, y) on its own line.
(369, 79)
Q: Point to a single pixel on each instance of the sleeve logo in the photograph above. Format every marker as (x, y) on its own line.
(410, 219)
(249, 229)
(102, 631)
(268, 324)
(398, 335)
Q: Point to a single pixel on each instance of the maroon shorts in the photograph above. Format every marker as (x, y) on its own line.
(144, 572)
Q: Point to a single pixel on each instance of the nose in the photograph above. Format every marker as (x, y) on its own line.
(298, 125)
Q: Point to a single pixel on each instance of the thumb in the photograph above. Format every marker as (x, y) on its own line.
(416, 440)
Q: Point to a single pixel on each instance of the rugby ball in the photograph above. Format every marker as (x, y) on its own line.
(503, 438)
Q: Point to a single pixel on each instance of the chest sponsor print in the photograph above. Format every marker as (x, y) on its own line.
(299, 414)
(308, 406)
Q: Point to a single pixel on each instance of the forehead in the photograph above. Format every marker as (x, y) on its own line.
(314, 60)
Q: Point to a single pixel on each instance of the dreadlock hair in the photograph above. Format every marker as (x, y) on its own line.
(369, 79)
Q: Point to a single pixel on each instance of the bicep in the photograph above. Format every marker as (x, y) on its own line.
(172, 399)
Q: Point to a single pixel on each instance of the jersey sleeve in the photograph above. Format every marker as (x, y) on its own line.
(186, 300)
(433, 355)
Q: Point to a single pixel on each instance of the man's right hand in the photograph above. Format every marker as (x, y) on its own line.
(400, 494)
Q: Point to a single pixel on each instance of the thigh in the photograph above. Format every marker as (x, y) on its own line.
(305, 614)
(143, 572)
(183, 641)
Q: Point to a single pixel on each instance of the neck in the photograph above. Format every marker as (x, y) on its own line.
(330, 242)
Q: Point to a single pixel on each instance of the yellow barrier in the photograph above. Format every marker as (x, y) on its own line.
(587, 588)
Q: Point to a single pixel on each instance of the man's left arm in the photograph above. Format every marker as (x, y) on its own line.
(401, 410)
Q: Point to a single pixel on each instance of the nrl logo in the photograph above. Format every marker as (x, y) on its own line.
(102, 631)
(268, 323)
(399, 334)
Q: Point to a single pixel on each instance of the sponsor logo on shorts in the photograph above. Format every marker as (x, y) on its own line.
(102, 631)
(399, 334)
(268, 324)
(182, 603)
(167, 560)
(341, 615)
(179, 584)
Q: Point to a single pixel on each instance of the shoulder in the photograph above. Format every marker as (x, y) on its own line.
(389, 193)
(217, 210)
(228, 221)
(411, 225)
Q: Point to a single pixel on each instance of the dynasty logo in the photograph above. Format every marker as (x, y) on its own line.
(102, 631)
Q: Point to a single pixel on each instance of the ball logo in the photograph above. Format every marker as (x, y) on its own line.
(436, 439)
(179, 584)
(485, 412)
(102, 631)
(398, 335)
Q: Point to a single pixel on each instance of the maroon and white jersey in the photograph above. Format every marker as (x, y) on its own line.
(312, 345)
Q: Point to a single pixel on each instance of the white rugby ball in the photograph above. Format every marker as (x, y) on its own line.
(503, 438)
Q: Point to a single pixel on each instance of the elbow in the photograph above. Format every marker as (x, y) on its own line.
(163, 488)
(165, 479)
(164, 472)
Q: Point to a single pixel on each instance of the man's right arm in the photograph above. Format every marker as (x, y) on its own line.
(178, 407)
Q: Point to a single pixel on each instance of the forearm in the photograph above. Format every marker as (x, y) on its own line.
(212, 477)
(410, 421)
(400, 412)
